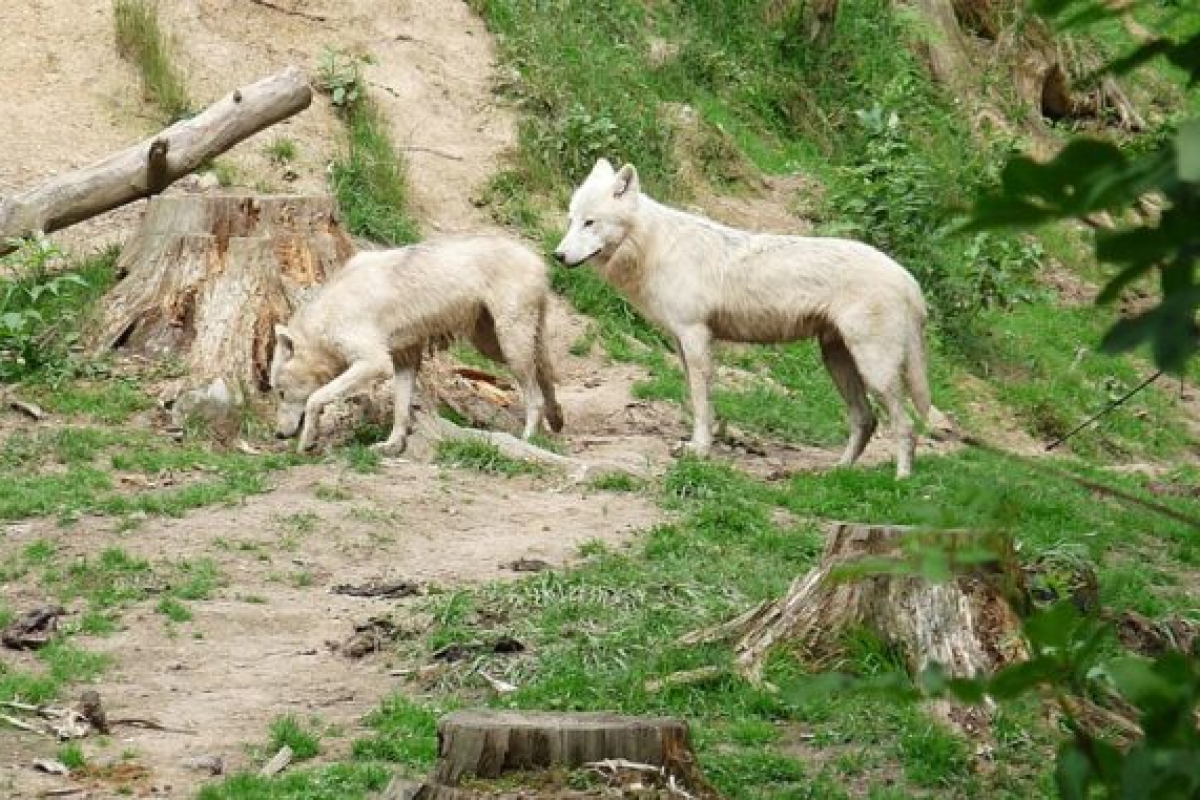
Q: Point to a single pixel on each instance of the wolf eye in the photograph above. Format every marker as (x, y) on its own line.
(589, 223)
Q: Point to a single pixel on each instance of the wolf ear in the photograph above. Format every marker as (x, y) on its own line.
(626, 182)
(283, 341)
(603, 168)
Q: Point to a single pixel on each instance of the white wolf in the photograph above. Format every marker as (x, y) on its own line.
(378, 315)
(701, 281)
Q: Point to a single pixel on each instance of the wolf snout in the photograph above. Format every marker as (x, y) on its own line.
(560, 256)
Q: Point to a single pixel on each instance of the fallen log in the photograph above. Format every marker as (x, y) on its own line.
(151, 165)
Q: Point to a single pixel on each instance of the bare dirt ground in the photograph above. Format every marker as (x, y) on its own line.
(260, 648)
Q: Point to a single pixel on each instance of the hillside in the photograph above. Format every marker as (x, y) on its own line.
(198, 578)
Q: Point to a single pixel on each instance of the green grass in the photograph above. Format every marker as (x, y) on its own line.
(142, 40)
(369, 179)
(289, 731)
(71, 756)
(66, 472)
(45, 302)
(483, 457)
(1045, 364)
(600, 631)
(281, 150)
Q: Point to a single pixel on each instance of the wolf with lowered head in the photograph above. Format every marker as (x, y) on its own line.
(378, 316)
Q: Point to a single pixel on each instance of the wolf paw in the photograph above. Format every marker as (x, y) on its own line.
(390, 448)
(688, 447)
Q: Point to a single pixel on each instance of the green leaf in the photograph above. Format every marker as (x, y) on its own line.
(1187, 148)
(1073, 773)
(1019, 679)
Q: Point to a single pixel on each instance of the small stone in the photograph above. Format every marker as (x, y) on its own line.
(213, 765)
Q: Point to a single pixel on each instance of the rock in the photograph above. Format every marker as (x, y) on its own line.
(213, 765)
(216, 407)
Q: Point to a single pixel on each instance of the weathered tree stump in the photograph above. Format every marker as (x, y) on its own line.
(487, 744)
(150, 166)
(966, 625)
(206, 278)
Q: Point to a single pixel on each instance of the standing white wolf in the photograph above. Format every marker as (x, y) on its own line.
(378, 315)
(701, 281)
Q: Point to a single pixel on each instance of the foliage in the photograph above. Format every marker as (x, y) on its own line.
(889, 195)
(42, 306)
(339, 74)
(1090, 176)
(140, 38)
(369, 179)
(1070, 665)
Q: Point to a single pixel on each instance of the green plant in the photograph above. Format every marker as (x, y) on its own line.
(140, 38)
(289, 731)
(891, 197)
(281, 150)
(36, 323)
(1090, 176)
(339, 74)
(71, 756)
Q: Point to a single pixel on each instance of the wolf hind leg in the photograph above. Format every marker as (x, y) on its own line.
(850, 386)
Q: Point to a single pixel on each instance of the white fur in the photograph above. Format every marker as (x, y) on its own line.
(700, 281)
(378, 315)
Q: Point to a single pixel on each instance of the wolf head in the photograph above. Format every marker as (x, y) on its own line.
(601, 214)
(293, 379)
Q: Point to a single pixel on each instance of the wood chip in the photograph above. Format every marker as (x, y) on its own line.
(50, 766)
(31, 410)
(685, 678)
(278, 763)
(22, 725)
(499, 686)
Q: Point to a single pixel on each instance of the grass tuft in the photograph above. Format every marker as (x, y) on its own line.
(142, 40)
(482, 457)
(369, 179)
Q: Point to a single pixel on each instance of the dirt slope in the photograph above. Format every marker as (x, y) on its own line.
(431, 74)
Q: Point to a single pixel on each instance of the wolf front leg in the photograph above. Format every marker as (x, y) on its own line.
(405, 381)
(358, 376)
(695, 343)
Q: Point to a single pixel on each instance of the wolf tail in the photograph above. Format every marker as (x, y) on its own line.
(937, 424)
(545, 373)
(915, 376)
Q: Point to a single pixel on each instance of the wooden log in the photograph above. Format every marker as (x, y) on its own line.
(151, 165)
(966, 625)
(488, 744)
(206, 278)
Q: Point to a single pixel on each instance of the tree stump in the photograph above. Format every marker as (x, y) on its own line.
(206, 278)
(487, 744)
(966, 625)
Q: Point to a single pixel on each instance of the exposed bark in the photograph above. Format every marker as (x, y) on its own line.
(206, 278)
(968, 36)
(152, 165)
(488, 744)
(965, 625)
